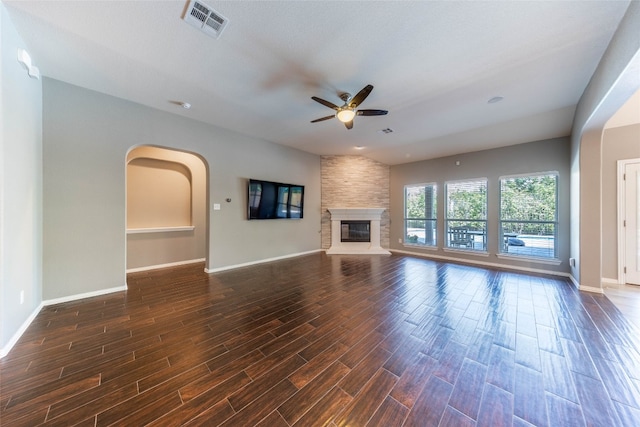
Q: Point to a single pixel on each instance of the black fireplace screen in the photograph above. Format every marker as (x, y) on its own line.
(355, 231)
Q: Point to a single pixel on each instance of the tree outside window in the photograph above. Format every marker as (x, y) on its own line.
(528, 215)
(466, 222)
(420, 214)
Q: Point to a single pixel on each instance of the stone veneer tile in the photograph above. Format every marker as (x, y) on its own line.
(354, 182)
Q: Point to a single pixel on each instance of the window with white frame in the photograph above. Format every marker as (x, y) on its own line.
(466, 214)
(529, 215)
(420, 214)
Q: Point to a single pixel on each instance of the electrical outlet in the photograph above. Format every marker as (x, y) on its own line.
(399, 240)
(21, 297)
(572, 262)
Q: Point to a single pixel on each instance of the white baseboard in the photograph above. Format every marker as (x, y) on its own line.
(585, 288)
(83, 295)
(609, 281)
(14, 339)
(591, 289)
(261, 261)
(574, 281)
(483, 263)
(171, 264)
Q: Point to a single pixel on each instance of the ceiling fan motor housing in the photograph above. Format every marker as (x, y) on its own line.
(348, 111)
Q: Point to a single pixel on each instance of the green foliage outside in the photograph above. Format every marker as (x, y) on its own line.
(421, 205)
(467, 201)
(528, 201)
(421, 212)
(529, 198)
(417, 202)
(524, 200)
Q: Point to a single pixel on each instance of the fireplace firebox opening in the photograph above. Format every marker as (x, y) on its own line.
(355, 231)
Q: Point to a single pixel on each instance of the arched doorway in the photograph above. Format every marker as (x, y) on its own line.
(167, 216)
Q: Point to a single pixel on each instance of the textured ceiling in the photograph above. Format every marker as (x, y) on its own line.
(434, 65)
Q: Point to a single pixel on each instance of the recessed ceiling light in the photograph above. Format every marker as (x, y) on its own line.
(359, 147)
(495, 99)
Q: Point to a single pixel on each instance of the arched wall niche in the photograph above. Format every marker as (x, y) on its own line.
(167, 217)
(159, 194)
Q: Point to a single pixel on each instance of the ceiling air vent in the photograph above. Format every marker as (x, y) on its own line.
(205, 18)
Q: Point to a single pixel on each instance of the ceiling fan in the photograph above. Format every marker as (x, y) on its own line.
(348, 111)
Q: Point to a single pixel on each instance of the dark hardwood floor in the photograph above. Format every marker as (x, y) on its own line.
(328, 340)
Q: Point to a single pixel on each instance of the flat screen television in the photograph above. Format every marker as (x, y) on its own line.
(275, 200)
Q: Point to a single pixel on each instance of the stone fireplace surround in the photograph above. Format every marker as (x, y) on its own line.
(373, 215)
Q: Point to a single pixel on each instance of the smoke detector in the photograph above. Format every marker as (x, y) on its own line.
(204, 18)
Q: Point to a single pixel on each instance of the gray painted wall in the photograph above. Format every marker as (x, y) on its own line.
(540, 156)
(20, 186)
(86, 139)
(614, 81)
(618, 144)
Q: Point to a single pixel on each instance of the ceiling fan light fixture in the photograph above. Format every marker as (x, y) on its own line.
(345, 115)
(347, 112)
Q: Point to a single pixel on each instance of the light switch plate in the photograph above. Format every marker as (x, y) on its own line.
(216, 206)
